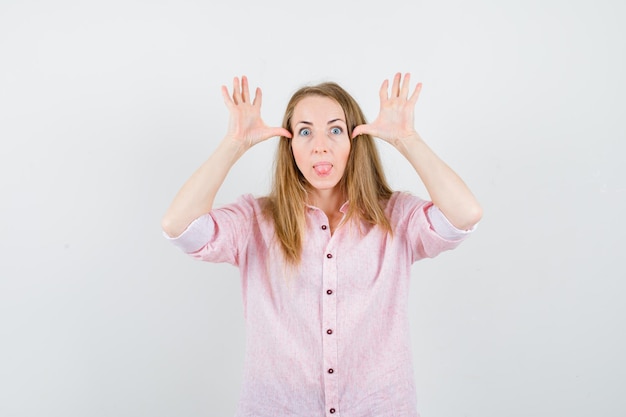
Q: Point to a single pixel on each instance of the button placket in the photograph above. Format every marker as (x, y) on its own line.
(329, 321)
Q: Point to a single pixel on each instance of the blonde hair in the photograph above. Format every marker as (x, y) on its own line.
(363, 182)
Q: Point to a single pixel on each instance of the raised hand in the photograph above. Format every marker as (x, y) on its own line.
(395, 120)
(245, 125)
(245, 129)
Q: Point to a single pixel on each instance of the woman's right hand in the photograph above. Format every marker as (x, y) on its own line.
(245, 125)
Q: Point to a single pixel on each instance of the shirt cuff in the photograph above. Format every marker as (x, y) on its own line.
(195, 236)
(442, 226)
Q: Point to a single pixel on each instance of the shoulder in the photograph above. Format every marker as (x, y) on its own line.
(402, 202)
(247, 202)
(406, 210)
(245, 208)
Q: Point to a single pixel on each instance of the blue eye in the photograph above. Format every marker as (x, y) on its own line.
(336, 131)
(305, 132)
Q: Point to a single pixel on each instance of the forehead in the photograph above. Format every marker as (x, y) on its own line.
(317, 108)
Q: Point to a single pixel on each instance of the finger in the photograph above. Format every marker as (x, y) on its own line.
(258, 97)
(360, 130)
(384, 91)
(227, 100)
(236, 91)
(271, 132)
(280, 131)
(245, 93)
(416, 93)
(395, 88)
(404, 92)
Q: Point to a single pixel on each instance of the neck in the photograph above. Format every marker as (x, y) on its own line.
(329, 201)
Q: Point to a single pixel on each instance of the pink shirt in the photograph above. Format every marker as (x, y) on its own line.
(330, 337)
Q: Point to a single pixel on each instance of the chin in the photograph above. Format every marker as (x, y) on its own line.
(323, 185)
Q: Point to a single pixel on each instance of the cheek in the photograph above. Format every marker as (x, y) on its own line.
(345, 151)
(295, 151)
(297, 155)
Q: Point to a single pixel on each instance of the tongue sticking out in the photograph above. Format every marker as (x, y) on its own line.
(322, 168)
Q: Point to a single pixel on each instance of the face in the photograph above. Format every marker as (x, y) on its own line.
(320, 142)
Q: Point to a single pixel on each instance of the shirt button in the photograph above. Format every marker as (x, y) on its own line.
(331, 370)
(329, 292)
(332, 411)
(329, 331)
(324, 227)
(329, 255)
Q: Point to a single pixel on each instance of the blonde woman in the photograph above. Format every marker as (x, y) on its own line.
(325, 258)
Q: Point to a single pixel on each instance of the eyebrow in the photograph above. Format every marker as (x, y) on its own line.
(304, 122)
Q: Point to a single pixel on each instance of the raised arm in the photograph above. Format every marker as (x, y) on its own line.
(245, 129)
(395, 125)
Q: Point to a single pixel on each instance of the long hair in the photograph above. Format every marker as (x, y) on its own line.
(363, 182)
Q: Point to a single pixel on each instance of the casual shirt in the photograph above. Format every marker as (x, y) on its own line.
(331, 336)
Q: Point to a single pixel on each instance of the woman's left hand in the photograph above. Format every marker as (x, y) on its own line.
(395, 120)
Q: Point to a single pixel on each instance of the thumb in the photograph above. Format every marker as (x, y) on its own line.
(360, 130)
(280, 131)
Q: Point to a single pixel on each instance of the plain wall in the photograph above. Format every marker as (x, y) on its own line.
(107, 107)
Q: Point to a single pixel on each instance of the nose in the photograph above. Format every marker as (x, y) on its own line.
(320, 143)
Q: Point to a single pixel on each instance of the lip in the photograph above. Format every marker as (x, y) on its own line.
(321, 164)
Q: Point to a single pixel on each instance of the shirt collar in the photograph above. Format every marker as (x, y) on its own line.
(343, 209)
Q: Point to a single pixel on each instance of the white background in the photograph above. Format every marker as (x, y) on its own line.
(107, 107)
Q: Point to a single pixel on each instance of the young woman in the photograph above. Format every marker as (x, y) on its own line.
(325, 258)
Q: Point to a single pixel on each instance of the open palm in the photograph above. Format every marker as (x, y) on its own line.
(245, 124)
(395, 120)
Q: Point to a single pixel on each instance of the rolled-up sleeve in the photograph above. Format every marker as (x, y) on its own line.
(440, 224)
(197, 234)
(219, 235)
(410, 214)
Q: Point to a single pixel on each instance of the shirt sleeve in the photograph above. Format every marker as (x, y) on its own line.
(411, 217)
(221, 234)
(440, 224)
(197, 234)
